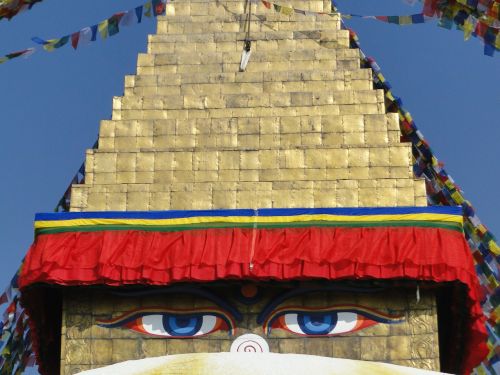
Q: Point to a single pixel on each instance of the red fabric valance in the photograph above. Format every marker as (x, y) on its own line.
(160, 258)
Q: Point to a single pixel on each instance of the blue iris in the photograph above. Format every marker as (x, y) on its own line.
(179, 325)
(317, 324)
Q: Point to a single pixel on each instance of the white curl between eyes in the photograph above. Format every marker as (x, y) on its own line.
(153, 324)
(249, 343)
(346, 322)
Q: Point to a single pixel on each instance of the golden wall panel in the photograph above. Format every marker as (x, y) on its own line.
(412, 342)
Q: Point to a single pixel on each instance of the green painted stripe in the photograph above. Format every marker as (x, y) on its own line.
(177, 228)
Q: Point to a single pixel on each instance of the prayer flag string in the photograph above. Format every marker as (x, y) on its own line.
(478, 18)
(481, 21)
(398, 20)
(14, 55)
(106, 28)
(442, 190)
(16, 352)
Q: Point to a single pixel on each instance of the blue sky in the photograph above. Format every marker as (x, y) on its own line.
(51, 103)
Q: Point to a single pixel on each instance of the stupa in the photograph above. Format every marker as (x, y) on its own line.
(259, 206)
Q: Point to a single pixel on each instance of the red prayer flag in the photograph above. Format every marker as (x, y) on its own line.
(75, 37)
(11, 308)
(160, 8)
(430, 8)
(481, 29)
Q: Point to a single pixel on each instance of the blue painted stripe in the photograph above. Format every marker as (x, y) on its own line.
(457, 210)
(176, 214)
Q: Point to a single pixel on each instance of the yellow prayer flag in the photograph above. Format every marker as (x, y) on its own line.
(103, 29)
(497, 312)
(494, 247)
(405, 20)
(468, 28)
(493, 282)
(481, 228)
(147, 9)
(457, 197)
(497, 41)
(50, 46)
(495, 11)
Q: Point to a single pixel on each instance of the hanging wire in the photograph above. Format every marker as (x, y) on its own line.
(245, 56)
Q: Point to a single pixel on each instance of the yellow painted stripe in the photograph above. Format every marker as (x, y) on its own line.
(249, 219)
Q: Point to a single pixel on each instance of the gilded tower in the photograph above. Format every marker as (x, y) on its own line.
(302, 126)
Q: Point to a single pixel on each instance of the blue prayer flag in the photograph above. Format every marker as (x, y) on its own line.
(138, 13)
(417, 18)
(39, 40)
(489, 50)
(94, 33)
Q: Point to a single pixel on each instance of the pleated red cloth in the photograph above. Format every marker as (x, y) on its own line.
(161, 258)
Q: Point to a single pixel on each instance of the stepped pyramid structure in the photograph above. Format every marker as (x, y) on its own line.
(271, 209)
(301, 127)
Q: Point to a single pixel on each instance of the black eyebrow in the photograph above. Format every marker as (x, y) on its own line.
(280, 298)
(199, 292)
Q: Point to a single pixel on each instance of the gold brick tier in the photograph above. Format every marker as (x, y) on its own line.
(301, 127)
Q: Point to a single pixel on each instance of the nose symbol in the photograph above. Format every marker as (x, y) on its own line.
(250, 343)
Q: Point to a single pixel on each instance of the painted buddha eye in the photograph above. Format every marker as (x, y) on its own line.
(170, 325)
(330, 321)
(173, 323)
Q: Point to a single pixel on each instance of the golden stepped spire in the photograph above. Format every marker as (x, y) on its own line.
(301, 127)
